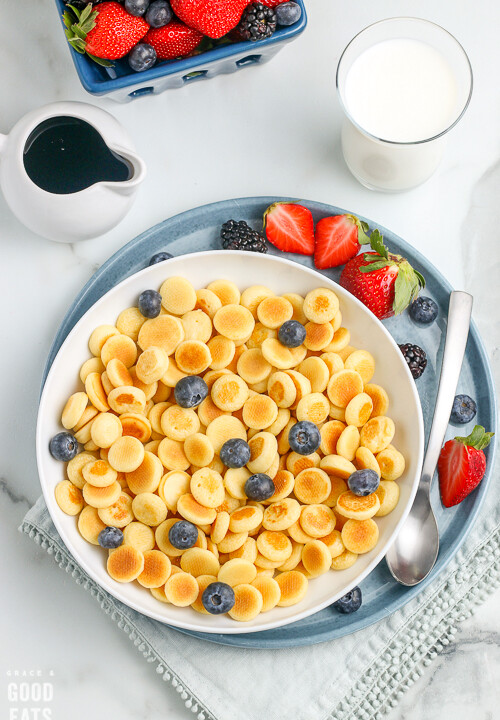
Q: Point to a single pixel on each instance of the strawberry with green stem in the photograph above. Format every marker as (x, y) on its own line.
(461, 465)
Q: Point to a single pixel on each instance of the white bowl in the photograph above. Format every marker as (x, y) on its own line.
(244, 269)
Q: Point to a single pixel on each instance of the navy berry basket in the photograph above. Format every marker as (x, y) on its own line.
(122, 84)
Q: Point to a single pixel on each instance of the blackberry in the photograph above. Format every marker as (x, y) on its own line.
(415, 357)
(257, 22)
(238, 235)
(82, 4)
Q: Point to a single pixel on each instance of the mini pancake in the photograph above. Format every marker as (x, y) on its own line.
(164, 331)
(147, 476)
(73, 410)
(240, 348)
(338, 466)
(294, 558)
(312, 486)
(248, 603)
(172, 485)
(181, 589)
(234, 322)
(208, 411)
(318, 337)
(75, 466)
(207, 488)
(273, 311)
(203, 582)
(339, 486)
(93, 364)
(253, 296)
(99, 473)
(149, 389)
(259, 334)
(337, 321)
(162, 393)
(222, 351)
(126, 454)
(388, 494)
(344, 561)
(120, 347)
(199, 450)
(343, 386)
(283, 486)
(190, 509)
(321, 305)
(366, 459)
(333, 542)
(154, 416)
(270, 591)
(127, 399)
(125, 564)
(247, 551)
(90, 524)
(313, 408)
(280, 423)
(82, 434)
(377, 434)
(159, 594)
(207, 301)
(360, 536)
(302, 385)
(283, 444)
(345, 352)
(212, 375)
(118, 373)
(236, 572)
(225, 428)
(227, 292)
(317, 372)
(101, 497)
(139, 536)
(197, 326)
(253, 367)
(95, 392)
(68, 497)
(179, 423)
(157, 568)
(152, 446)
(129, 322)
(259, 412)
(263, 449)
(330, 433)
(391, 462)
(152, 365)
(293, 587)
(340, 340)
(99, 337)
(263, 563)
(363, 362)
(316, 558)
(232, 541)
(173, 374)
(197, 561)
(317, 520)
(278, 355)
(162, 539)
(337, 413)
(171, 454)
(90, 446)
(348, 442)
(245, 519)
(358, 410)
(359, 508)
(379, 398)
(296, 532)
(295, 463)
(106, 383)
(341, 520)
(281, 515)
(220, 526)
(234, 482)
(229, 392)
(192, 357)
(136, 425)
(281, 388)
(333, 361)
(119, 514)
(149, 509)
(178, 296)
(297, 302)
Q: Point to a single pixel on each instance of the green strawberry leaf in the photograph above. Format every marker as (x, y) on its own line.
(407, 286)
(478, 438)
(377, 265)
(86, 13)
(420, 278)
(377, 243)
(100, 61)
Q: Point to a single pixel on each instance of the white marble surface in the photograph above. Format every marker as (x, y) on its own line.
(199, 144)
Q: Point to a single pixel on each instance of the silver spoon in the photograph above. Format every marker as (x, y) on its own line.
(412, 555)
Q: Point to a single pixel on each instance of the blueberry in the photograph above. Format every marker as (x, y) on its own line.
(183, 535)
(190, 391)
(259, 487)
(159, 13)
(149, 303)
(288, 13)
(142, 57)
(304, 437)
(350, 602)
(110, 538)
(159, 257)
(423, 310)
(363, 482)
(218, 598)
(235, 453)
(63, 446)
(464, 410)
(291, 333)
(136, 7)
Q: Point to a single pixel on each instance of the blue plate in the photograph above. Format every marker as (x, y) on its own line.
(197, 230)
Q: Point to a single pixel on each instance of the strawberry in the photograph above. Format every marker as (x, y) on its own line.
(213, 18)
(384, 282)
(461, 465)
(337, 240)
(107, 33)
(290, 227)
(271, 3)
(173, 40)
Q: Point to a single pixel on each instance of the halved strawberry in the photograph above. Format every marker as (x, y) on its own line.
(461, 465)
(338, 239)
(290, 227)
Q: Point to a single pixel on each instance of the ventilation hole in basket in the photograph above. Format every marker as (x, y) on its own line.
(195, 75)
(248, 60)
(141, 91)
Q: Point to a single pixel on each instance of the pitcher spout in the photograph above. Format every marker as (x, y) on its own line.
(137, 172)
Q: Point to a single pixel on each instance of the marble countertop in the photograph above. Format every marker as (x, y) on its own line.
(199, 144)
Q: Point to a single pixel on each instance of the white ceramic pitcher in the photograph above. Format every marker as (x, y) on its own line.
(72, 216)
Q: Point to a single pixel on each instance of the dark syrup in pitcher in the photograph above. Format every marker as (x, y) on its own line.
(65, 155)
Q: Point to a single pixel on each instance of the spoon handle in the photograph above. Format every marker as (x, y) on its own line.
(459, 315)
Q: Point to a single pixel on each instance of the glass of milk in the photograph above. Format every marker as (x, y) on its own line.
(403, 83)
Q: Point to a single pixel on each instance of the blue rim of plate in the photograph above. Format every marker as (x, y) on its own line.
(310, 630)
